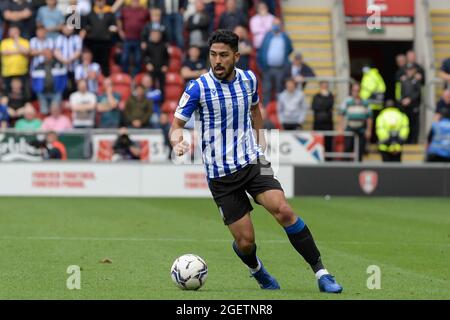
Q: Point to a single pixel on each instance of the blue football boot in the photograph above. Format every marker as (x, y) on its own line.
(328, 284)
(265, 280)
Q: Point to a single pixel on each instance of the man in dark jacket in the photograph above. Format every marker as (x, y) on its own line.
(410, 100)
(99, 26)
(156, 58)
(322, 106)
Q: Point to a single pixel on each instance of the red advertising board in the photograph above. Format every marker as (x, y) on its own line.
(391, 11)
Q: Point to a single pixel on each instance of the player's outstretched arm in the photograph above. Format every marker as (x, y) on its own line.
(258, 126)
(179, 146)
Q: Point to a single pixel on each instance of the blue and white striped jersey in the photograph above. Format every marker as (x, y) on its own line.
(223, 109)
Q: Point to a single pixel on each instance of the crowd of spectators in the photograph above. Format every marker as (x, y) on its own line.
(124, 63)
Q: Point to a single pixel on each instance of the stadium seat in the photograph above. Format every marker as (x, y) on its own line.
(175, 65)
(122, 85)
(175, 53)
(173, 92)
(272, 114)
(169, 107)
(138, 78)
(174, 78)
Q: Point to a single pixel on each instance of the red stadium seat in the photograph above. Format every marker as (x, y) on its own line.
(173, 92)
(169, 107)
(138, 78)
(175, 65)
(122, 85)
(272, 114)
(175, 53)
(174, 78)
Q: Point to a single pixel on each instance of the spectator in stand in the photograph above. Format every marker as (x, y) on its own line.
(17, 98)
(444, 72)
(193, 66)
(4, 116)
(51, 18)
(245, 48)
(439, 140)
(210, 8)
(156, 58)
(138, 110)
(124, 148)
(68, 48)
(356, 117)
(56, 121)
(291, 106)
(272, 58)
(154, 95)
(108, 107)
(410, 100)
(49, 80)
(3, 5)
(88, 70)
(14, 56)
(133, 19)
(260, 24)
(37, 46)
(198, 26)
(401, 71)
(420, 72)
(100, 26)
(173, 19)
(322, 106)
(232, 17)
(29, 122)
(82, 104)
(154, 24)
(443, 105)
(19, 13)
(299, 70)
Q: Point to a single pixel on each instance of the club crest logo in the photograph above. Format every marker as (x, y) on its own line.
(368, 181)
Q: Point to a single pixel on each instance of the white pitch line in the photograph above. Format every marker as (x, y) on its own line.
(280, 241)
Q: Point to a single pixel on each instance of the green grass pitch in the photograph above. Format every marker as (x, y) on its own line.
(409, 239)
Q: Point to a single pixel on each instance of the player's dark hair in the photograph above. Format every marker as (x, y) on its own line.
(224, 36)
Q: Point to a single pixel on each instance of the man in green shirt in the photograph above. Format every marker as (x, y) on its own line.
(356, 117)
(29, 122)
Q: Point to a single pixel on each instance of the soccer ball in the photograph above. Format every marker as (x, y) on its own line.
(189, 272)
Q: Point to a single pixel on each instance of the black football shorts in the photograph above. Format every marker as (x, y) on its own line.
(229, 192)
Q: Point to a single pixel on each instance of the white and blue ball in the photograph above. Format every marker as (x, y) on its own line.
(189, 272)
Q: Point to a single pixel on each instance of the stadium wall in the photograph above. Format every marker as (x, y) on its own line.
(370, 180)
(113, 180)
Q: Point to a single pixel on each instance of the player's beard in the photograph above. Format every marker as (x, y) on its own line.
(225, 74)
